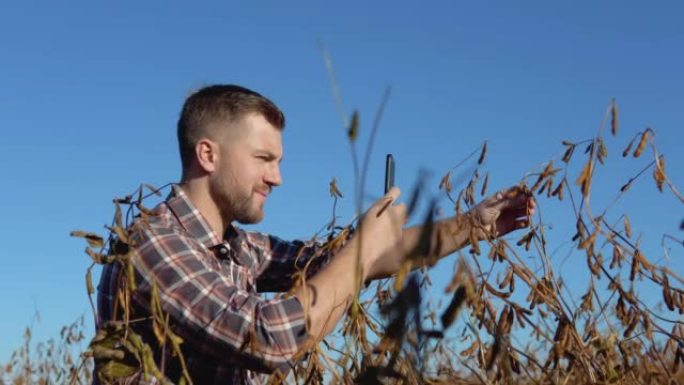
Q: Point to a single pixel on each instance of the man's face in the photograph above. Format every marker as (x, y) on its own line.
(247, 170)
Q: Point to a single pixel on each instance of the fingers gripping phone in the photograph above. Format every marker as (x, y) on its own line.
(389, 172)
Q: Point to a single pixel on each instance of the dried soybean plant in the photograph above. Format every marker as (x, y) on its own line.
(489, 332)
(540, 333)
(117, 351)
(57, 361)
(509, 317)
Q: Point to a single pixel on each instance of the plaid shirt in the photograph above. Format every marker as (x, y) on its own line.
(209, 287)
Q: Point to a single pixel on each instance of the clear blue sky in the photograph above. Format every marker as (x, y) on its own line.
(90, 93)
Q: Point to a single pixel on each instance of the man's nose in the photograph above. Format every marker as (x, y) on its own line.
(273, 176)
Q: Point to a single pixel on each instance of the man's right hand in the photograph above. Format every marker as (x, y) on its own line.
(380, 233)
(328, 294)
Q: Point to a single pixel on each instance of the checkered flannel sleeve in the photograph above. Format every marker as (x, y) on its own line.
(281, 262)
(209, 312)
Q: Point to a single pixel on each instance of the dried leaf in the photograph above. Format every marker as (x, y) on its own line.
(463, 277)
(587, 299)
(635, 268)
(602, 151)
(584, 180)
(632, 325)
(89, 283)
(97, 257)
(505, 322)
(120, 233)
(144, 210)
(483, 154)
(495, 292)
(627, 149)
(628, 227)
(130, 275)
(334, 190)
(559, 190)
(547, 186)
(124, 201)
(353, 131)
(483, 191)
(474, 243)
(613, 117)
(401, 275)
(93, 239)
(458, 208)
(627, 185)
(118, 218)
(507, 278)
(526, 239)
(471, 349)
(642, 260)
(492, 354)
(642, 143)
(659, 172)
(617, 257)
(469, 196)
(454, 307)
(445, 183)
(415, 197)
(667, 295)
(152, 189)
(587, 243)
(568, 153)
(537, 183)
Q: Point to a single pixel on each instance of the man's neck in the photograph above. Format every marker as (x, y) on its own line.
(199, 195)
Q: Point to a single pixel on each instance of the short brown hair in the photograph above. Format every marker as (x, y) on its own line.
(220, 102)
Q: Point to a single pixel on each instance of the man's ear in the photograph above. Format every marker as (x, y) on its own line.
(207, 154)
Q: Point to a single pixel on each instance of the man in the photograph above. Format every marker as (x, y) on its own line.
(209, 274)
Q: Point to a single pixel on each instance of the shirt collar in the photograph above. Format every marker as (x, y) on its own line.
(190, 217)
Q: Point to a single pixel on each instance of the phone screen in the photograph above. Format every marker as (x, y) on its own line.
(389, 172)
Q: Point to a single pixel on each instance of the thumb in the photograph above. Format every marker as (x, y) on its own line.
(510, 198)
(389, 198)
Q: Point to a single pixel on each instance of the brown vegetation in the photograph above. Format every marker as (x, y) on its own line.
(509, 318)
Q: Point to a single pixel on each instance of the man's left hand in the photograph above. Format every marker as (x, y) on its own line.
(505, 211)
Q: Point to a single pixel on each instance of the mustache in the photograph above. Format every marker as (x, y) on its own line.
(265, 190)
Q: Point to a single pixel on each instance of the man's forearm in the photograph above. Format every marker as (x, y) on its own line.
(425, 244)
(507, 210)
(432, 241)
(327, 295)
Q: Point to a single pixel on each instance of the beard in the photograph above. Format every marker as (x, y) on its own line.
(235, 204)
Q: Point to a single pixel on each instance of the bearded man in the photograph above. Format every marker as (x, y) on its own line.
(209, 275)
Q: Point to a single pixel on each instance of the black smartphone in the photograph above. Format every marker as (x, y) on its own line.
(389, 172)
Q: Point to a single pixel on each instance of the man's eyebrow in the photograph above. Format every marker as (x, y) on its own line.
(268, 154)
